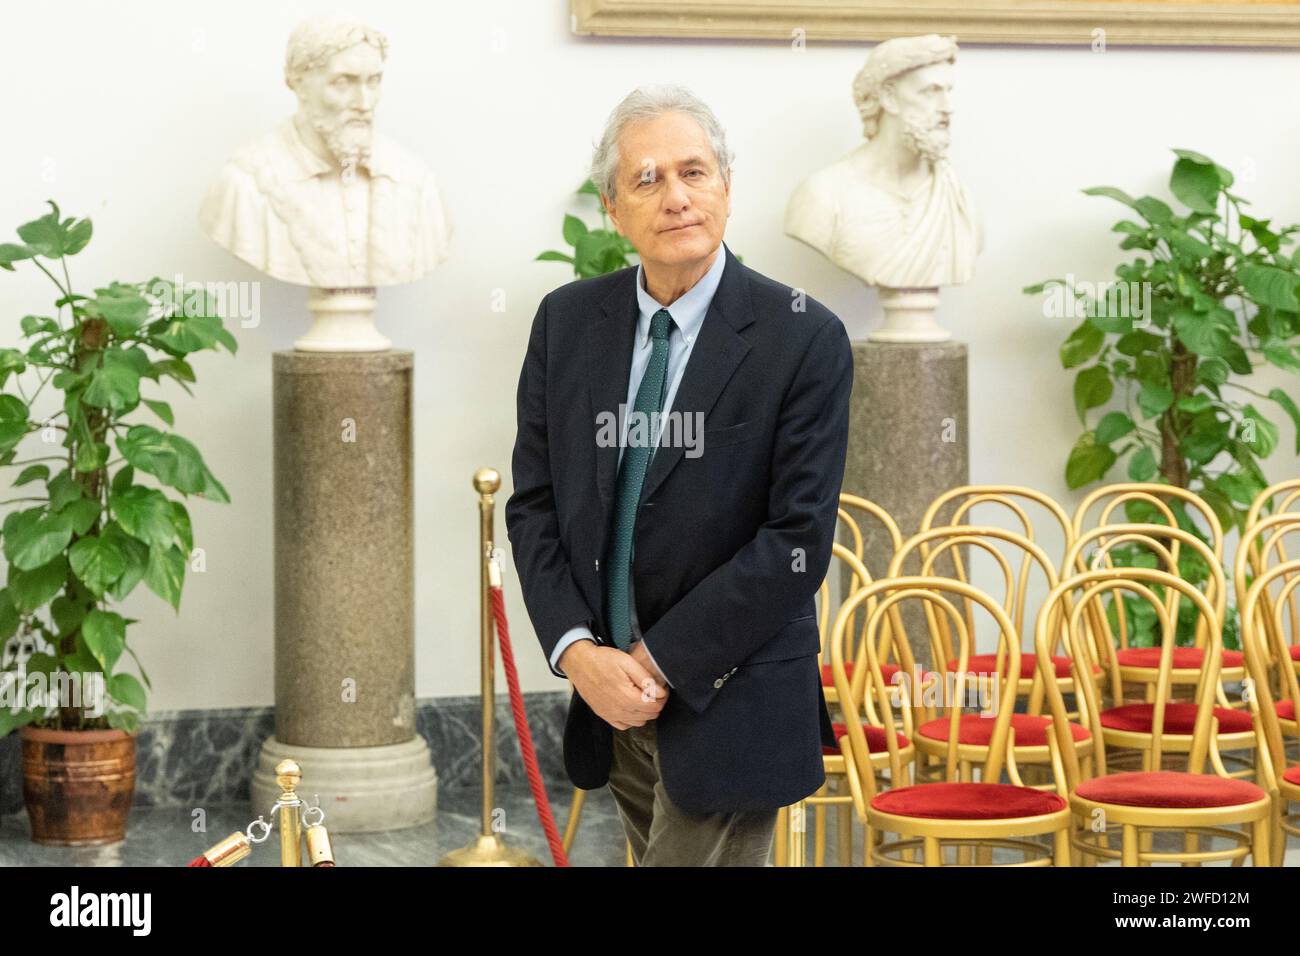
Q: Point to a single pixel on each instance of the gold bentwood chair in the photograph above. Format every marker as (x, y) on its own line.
(1031, 729)
(1283, 781)
(1129, 725)
(1123, 663)
(870, 511)
(959, 812)
(895, 760)
(1016, 499)
(1262, 538)
(1143, 502)
(1141, 803)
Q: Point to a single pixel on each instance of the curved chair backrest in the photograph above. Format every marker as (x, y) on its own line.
(1255, 607)
(932, 544)
(859, 577)
(1148, 536)
(1262, 539)
(1151, 494)
(1290, 492)
(886, 595)
(1072, 598)
(965, 498)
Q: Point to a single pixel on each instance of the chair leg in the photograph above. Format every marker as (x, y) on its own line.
(1061, 846)
(819, 829)
(1145, 839)
(844, 827)
(1260, 841)
(1129, 846)
(1191, 844)
(781, 843)
(933, 853)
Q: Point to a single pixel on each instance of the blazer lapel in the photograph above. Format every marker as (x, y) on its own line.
(717, 352)
(610, 332)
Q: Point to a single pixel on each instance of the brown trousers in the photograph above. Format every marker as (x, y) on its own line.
(662, 834)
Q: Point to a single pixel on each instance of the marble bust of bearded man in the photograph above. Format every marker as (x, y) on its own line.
(892, 211)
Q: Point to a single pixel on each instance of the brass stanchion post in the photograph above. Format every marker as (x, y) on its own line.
(487, 849)
(287, 775)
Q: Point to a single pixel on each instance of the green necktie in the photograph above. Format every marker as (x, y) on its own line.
(631, 477)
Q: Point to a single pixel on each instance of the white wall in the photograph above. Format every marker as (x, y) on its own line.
(123, 112)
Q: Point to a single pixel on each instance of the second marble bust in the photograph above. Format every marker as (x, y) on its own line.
(323, 200)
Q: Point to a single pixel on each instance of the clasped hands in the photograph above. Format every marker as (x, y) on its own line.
(623, 688)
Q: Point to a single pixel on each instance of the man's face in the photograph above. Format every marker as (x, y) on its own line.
(672, 201)
(339, 100)
(922, 101)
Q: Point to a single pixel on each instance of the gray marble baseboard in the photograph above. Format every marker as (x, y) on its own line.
(205, 757)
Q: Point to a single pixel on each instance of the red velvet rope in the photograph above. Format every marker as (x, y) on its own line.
(525, 735)
(198, 861)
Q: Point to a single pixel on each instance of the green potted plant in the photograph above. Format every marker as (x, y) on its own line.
(595, 251)
(82, 530)
(1219, 297)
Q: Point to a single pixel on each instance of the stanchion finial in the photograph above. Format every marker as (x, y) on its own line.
(487, 481)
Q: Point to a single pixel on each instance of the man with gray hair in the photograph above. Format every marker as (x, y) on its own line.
(324, 200)
(673, 587)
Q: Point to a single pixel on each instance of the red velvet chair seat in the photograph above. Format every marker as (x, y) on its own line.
(887, 671)
(876, 741)
(1169, 789)
(977, 730)
(1180, 717)
(1292, 776)
(967, 801)
(985, 663)
(1286, 709)
(1295, 652)
(1184, 658)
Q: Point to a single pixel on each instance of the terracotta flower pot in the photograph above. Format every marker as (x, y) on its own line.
(78, 784)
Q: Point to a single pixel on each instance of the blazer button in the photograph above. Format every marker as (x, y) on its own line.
(734, 669)
(718, 682)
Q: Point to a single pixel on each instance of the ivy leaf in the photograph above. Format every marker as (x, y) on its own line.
(1265, 434)
(1084, 342)
(165, 574)
(126, 690)
(1270, 286)
(1195, 182)
(1092, 387)
(144, 513)
(1154, 399)
(122, 307)
(105, 635)
(1088, 462)
(1142, 466)
(1289, 406)
(574, 229)
(38, 539)
(97, 562)
(1113, 426)
(33, 589)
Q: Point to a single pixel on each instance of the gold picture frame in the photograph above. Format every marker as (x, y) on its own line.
(1070, 22)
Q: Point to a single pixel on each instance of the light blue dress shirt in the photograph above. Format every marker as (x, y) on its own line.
(688, 313)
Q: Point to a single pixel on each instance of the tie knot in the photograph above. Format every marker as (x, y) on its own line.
(660, 323)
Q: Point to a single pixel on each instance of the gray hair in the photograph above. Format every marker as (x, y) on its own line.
(316, 39)
(649, 102)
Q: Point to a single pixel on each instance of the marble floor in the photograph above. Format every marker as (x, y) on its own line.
(162, 836)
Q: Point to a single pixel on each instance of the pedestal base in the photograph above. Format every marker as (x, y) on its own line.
(343, 321)
(910, 316)
(361, 789)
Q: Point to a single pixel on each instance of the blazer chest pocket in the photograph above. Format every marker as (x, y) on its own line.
(728, 435)
(798, 638)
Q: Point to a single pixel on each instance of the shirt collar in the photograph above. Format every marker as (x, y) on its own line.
(689, 309)
(381, 163)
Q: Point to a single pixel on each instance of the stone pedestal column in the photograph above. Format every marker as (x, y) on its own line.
(344, 591)
(908, 428)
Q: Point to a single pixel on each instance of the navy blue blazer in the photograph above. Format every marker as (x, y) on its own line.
(731, 544)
